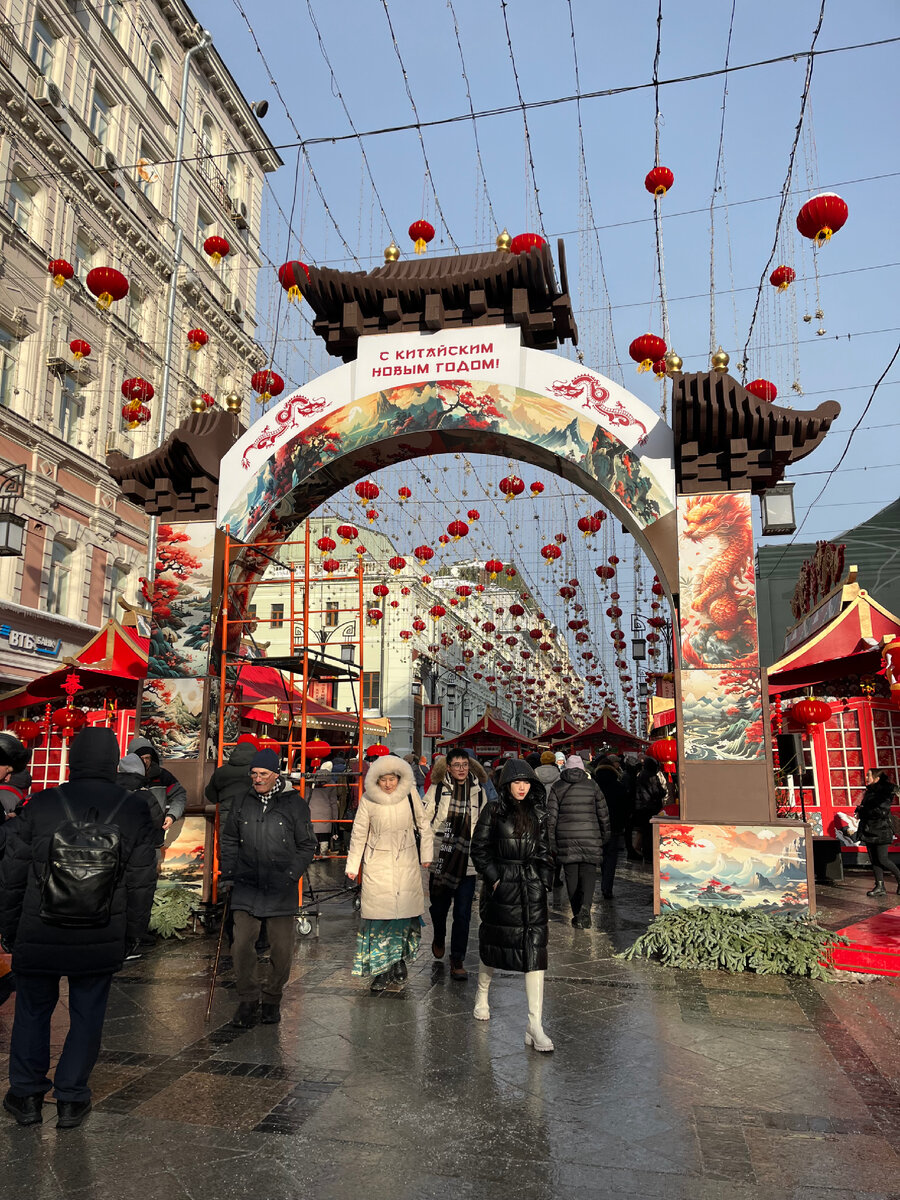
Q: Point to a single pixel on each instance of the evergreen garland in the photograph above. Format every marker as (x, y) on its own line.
(715, 939)
(173, 906)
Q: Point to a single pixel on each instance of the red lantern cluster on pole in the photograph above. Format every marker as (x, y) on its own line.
(61, 270)
(217, 248)
(197, 339)
(107, 284)
(658, 181)
(293, 276)
(821, 217)
(782, 277)
(421, 232)
(646, 350)
(80, 348)
(512, 486)
(266, 384)
(763, 389)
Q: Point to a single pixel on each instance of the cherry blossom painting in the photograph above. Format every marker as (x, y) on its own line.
(734, 866)
(171, 716)
(181, 600)
(722, 715)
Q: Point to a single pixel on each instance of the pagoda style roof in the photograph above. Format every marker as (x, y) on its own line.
(490, 725)
(564, 727)
(726, 435)
(454, 291)
(606, 727)
(181, 477)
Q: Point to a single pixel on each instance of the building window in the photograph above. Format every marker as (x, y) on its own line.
(43, 47)
(118, 585)
(60, 573)
(101, 116)
(134, 313)
(371, 689)
(84, 256)
(205, 227)
(206, 137)
(155, 76)
(109, 15)
(251, 612)
(20, 203)
(71, 409)
(331, 613)
(233, 178)
(147, 174)
(9, 352)
(276, 613)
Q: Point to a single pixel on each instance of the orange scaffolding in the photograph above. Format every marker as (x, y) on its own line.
(236, 622)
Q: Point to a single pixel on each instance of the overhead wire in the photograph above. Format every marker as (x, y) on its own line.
(478, 158)
(524, 110)
(718, 182)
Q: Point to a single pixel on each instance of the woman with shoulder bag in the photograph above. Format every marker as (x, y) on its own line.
(511, 854)
(383, 853)
(876, 828)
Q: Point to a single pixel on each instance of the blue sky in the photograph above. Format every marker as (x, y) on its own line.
(848, 145)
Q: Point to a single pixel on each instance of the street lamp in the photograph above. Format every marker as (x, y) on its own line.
(12, 524)
(639, 643)
(777, 508)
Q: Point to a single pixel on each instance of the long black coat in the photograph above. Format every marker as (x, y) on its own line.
(577, 818)
(616, 789)
(874, 813)
(513, 931)
(230, 781)
(265, 851)
(42, 949)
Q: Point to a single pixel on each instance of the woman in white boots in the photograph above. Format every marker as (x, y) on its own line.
(511, 854)
(383, 851)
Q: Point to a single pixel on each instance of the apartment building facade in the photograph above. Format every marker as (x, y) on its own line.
(91, 97)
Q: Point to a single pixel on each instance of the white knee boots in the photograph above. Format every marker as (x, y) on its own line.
(481, 1011)
(534, 991)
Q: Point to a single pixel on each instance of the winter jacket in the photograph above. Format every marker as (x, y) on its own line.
(175, 796)
(548, 774)
(323, 802)
(649, 794)
(153, 798)
(513, 930)
(874, 813)
(44, 949)
(438, 796)
(383, 843)
(614, 784)
(230, 781)
(577, 818)
(265, 851)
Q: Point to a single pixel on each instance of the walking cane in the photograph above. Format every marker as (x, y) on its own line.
(212, 983)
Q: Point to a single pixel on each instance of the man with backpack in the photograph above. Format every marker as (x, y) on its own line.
(76, 886)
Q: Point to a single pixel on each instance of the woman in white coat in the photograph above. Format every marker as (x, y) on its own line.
(383, 850)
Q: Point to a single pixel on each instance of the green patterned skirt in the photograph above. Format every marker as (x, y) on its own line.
(379, 944)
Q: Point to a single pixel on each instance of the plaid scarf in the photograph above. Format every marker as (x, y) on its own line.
(453, 857)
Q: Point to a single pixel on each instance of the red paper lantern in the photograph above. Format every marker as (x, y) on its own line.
(437, 611)
(348, 533)
(216, 247)
(404, 493)
(524, 243)
(326, 544)
(426, 579)
(137, 389)
(423, 554)
(367, 490)
(207, 399)
(822, 216)
(421, 232)
(134, 413)
(536, 488)
(810, 712)
(418, 624)
(512, 486)
(61, 270)
(80, 348)
(293, 276)
(457, 530)
(763, 389)
(317, 748)
(360, 550)
(646, 349)
(782, 277)
(67, 722)
(464, 591)
(473, 514)
(406, 634)
(404, 591)
(444, 539)
(107, 284)
(197, 339)
(371, 515)
(550, 552)
(26, 730)
(266, 384)
(658, 181)
(381, 590)
(516, 610)
(665, 752)
(374, 615)
(379, 750)
(493, 566)
(604, 572)
(660, 368)
(397, 563)
(330, 565)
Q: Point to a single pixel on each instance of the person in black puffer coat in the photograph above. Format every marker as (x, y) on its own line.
(614, 784)
(232, 780)
(578, 829)
(649, 798)
(876, 828)
(14, 758)
(43, 953)
(511, 853)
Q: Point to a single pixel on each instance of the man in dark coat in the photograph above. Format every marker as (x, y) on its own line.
(577, 829)
(43, 953)
(231, 781)
(266, 847)
(876, 827)
(614, 784)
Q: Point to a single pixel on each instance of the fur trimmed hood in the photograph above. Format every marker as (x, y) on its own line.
(389, 764)
(439, 771)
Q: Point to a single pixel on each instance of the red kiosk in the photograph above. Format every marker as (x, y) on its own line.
(605, 730)
(491, 737)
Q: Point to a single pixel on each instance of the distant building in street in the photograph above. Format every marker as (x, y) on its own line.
(91, 100)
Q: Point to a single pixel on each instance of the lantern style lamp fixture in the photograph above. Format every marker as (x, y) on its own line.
(12, 524)
(638, 649)
(777, 508)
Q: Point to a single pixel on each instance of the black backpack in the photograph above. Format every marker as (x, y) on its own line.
(83, 868)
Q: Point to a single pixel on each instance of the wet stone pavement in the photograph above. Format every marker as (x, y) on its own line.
(693, 1085)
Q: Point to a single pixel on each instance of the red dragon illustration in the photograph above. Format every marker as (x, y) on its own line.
(285, 418)
(598, 399)
(722, 585)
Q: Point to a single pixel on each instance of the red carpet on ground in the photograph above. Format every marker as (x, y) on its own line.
(874, 945)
